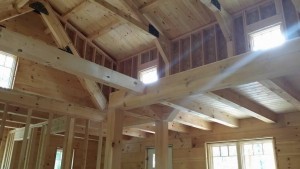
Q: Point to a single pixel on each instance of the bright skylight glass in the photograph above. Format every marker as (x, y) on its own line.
(149, 75)
(7, 69)
(267, 38)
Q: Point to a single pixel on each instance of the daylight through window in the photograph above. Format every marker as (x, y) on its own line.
(7, 69)
(148, 75)
(267, 38)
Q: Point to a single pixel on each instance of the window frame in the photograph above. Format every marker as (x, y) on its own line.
(170, 152)
(14, 68)
(238, 143)
(250, 34)
(146, 69)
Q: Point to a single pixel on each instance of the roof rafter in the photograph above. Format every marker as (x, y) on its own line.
(233, 99)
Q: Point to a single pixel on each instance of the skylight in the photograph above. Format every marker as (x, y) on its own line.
(149, 75)
(267, 38)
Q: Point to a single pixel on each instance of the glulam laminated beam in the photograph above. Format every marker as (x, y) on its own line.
(234, 99)
(42, 53)
(242, 69)
(50, 105)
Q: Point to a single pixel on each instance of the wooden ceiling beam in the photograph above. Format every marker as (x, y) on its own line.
(42, 53)
(76, 8)
(113, 25)
(149, 5)
(245, 68)
(44, 104)
(13, 12)
(62, 40)
(235, 100)
(208, 113)
(192, 121)
(283, 89)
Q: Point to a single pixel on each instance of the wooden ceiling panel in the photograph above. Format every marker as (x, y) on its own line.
(122, 5)
(234, 6)
(91, 18)
(124, 41)
(260, 94)
(65, 5)
(177, 17)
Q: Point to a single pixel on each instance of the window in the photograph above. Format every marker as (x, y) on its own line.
(151, 158)
(253, 154)
(267, 38)
(148, 75)
(7, 69)
(58, 158)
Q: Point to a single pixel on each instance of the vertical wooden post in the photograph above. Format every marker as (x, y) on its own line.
(86, 144)
(41, 147)
(113, 147)
(4, 117)
(68, 144)
(24, 142)
(100, 142)
(161, 145)
(8, 151)
(44, 142)
(30, 149)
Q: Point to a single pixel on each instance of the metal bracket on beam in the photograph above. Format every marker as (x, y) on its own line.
(216, 3)
(39, 8)
(67, 49)
(153, 31)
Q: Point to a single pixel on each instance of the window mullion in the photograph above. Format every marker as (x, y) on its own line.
(239, 155)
